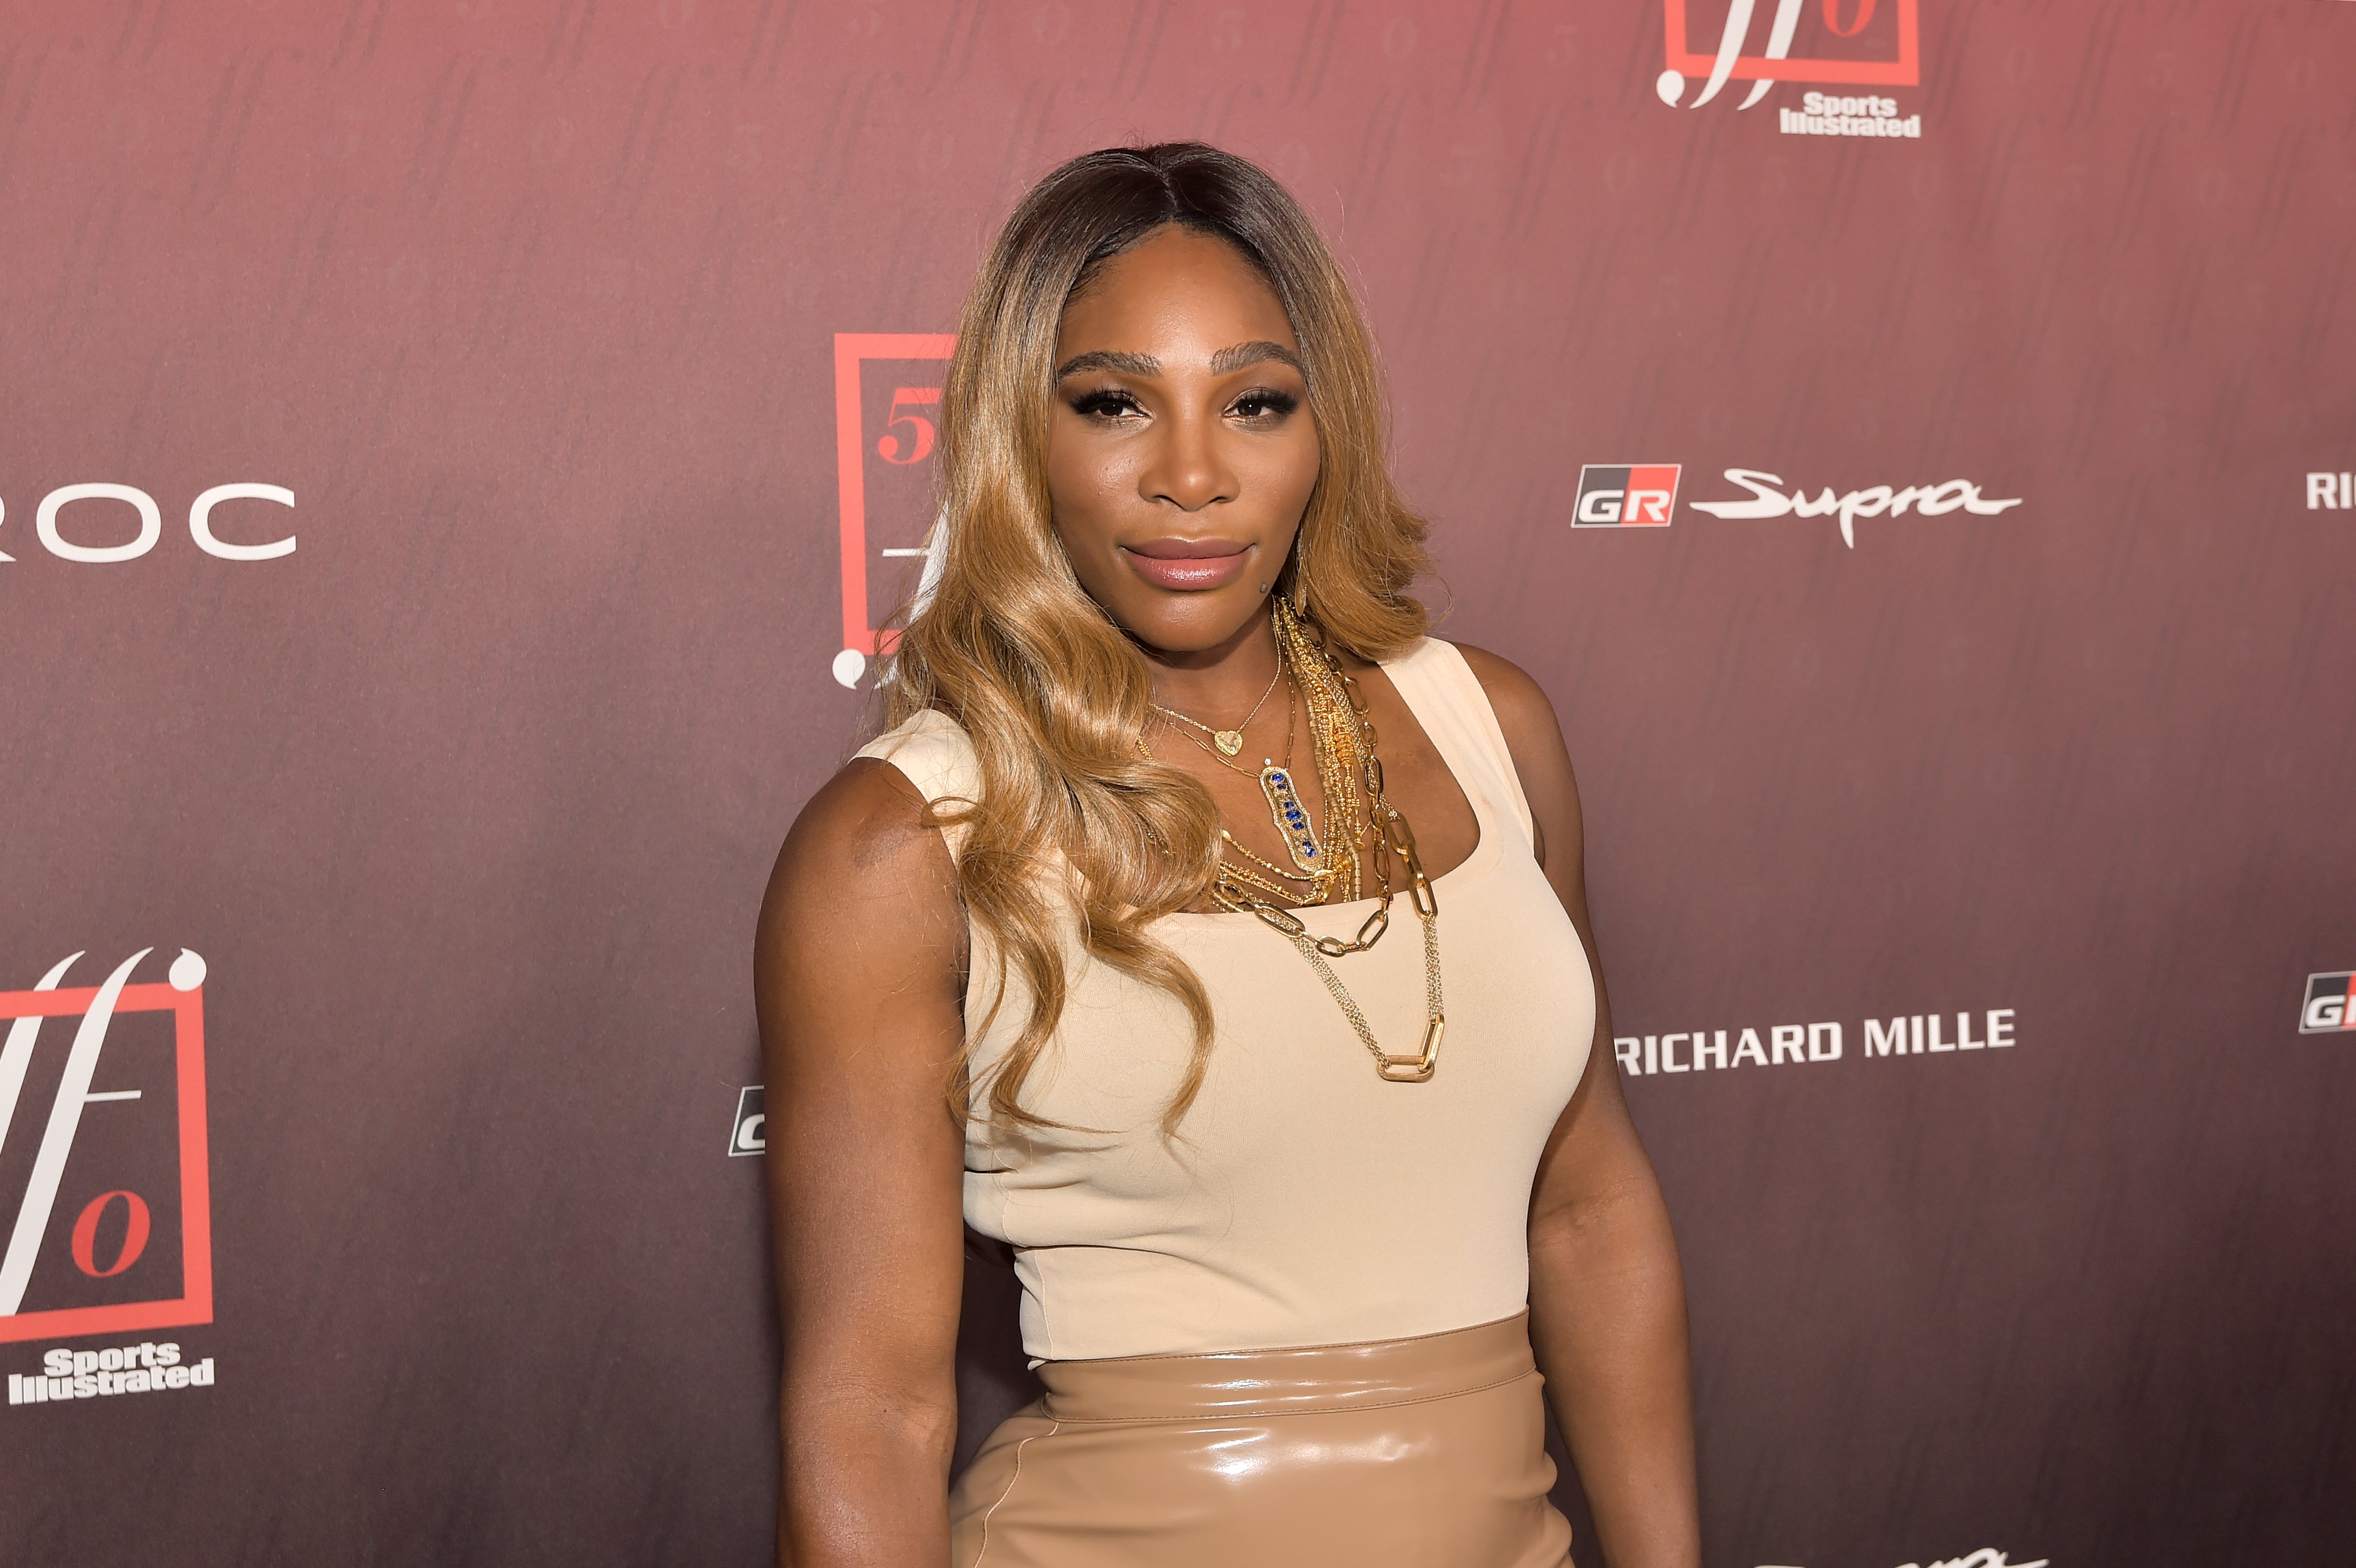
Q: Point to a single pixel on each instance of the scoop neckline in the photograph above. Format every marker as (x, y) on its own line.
(1478, 863)
(1483, 857)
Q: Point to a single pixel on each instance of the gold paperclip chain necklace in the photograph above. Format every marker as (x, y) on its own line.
(1342, 740)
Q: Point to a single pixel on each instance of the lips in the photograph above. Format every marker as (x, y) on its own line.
(1188, 565)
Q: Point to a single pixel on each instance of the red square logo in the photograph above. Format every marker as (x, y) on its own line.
(884, 430)
(1838, 42)
(105, 1208)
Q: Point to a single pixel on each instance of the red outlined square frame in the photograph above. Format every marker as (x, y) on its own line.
(851, 470)
(194, 1302)
(1906, 70)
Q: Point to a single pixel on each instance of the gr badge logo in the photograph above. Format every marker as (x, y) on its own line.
(750, 1135)
(2330, 1003)
(112, 1223)
(1625, 495)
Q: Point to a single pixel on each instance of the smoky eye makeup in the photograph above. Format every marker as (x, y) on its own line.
(1103, 402)
(1261, 404)
(1265, 402)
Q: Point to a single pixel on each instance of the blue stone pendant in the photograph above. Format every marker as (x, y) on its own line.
(1291, 817)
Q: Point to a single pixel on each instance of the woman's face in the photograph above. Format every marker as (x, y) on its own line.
(1181, 449)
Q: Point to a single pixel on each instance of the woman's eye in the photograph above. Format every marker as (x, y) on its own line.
(1265, 405)
(1106, 404)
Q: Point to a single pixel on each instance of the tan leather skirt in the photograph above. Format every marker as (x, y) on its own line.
(1422, 1452)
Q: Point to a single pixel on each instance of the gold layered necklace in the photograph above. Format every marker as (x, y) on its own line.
(1361, 824)
(1319, 865)
(1229, 741)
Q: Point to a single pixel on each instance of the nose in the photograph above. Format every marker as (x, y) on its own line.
(1187, 468)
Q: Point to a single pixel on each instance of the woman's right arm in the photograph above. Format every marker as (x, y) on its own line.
(858, 978)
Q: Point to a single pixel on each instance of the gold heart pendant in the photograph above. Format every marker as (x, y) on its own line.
(1230, 741)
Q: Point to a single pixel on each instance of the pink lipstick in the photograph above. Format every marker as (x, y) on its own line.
(1187, 565)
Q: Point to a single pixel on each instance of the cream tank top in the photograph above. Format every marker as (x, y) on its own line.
(1305, 1200)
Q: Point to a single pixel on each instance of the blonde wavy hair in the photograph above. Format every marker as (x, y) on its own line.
(1073, 825)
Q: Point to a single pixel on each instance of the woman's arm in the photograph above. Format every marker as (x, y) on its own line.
(1607, 1296)
(857, 973)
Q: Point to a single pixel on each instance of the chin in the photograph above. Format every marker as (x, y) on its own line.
(1190, 623)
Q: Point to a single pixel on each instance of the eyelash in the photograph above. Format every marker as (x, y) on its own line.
(1277, 403)
(1105, 403)
(1109, 403)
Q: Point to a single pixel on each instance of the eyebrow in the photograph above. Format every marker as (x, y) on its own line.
(1226, 361)
(1110, 360)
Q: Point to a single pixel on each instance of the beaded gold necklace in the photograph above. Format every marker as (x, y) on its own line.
(1342, 742)
(1316, 867)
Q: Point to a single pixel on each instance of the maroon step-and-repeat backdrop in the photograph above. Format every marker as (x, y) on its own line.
(455, 457)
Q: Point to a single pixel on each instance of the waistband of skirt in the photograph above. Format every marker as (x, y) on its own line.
(1298, 1380)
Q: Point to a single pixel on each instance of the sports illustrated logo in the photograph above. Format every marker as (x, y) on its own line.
(1877, 500)
(2331, 492)
(1625, 495)
(1822, 114)
(48, 525)
(750, 1134)
(889, 472)
(1835, 43)
(143, 1368)
(112, 1225)
(2330, 1003)
(1793, 1045)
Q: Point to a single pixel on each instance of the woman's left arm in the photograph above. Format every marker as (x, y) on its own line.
(1607, 1295)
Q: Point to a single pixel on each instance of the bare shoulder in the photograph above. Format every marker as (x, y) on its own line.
(862, 871)
(1523, 707)
(869, 817)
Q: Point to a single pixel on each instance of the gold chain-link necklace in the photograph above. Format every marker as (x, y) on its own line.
(1342, 742)
(1316, 872)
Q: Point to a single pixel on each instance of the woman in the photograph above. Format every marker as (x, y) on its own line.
(1303, 1122)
